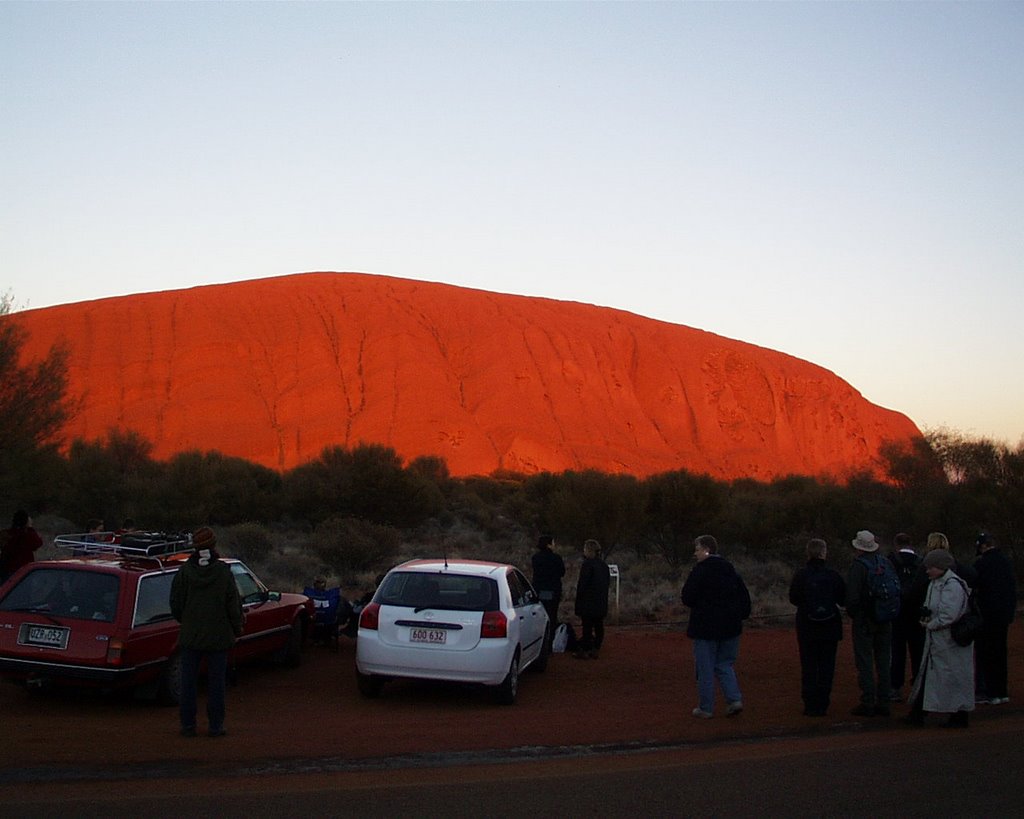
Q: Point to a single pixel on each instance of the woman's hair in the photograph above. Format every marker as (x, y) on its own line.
(545, 541)
(937, 540)
(816, 548)
(708, 543)
(20, 519)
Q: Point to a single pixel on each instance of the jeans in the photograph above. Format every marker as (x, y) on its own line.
(872, 654)
(216, 679)
(714, 660)
(907, 636)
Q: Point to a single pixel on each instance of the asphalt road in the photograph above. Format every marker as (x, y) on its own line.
(893, 771)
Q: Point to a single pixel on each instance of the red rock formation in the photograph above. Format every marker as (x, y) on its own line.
(275, 370)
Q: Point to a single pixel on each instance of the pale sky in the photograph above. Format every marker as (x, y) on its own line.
(843, 182)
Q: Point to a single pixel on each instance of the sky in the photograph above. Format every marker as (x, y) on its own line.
(842, 182)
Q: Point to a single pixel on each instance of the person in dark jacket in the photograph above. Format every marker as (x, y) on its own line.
(592, 600)
(907, 631)
(996, 595)
(18, 545)
(205, 600)
(548, 571)
(817, 592)
(719, 603)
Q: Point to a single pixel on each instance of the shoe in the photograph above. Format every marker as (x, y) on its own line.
(999, 700)
(218, 732)
(863, 710)
(592, 655)
(188, 731)
(700, 713)
(915, 718)
(957, 720)
(896, 696)
(986, 701)
(733, 708)
(580, 655)
(882, 711)
(813, 712)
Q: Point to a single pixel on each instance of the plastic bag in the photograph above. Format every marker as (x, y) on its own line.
(561, 639)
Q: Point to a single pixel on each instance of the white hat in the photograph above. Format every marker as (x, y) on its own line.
(865, 541)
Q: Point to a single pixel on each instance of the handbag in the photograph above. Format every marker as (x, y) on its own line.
(966, 628)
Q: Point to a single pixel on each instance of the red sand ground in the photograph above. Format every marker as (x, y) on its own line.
(640, 690)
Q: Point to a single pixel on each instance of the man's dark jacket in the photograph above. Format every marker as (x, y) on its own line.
(718, 600)
(996, 589)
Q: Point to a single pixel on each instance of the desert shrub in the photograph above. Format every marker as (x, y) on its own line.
(351, 545)
(249, 542)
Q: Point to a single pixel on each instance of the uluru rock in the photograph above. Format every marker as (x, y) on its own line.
(275, 370)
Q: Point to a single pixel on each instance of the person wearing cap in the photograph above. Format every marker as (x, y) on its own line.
(996, 594)
(945, 682)
(205, 600)
(872, 641)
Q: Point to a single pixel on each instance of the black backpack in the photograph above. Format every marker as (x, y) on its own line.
(820, 597)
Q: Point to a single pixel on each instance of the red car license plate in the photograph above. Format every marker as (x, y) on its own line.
(428, 635)
(49, 636)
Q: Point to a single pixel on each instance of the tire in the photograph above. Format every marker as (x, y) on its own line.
(370, 685)
(540, 665)
(168, 689)
(507, 690)
(293, 648)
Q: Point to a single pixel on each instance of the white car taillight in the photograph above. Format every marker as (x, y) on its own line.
(494, 624)
(369, 617)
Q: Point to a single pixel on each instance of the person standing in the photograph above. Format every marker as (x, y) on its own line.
(907, 632)
(205, 600)
(592, 601)
(817, 592)
(719, 603)
(872, 640)
(996, 595)
(19, 545)
(945, 683)
(548, 571)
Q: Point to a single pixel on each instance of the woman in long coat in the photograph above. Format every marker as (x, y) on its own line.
(945, 682)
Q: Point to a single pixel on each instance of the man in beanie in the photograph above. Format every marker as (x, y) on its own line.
(548, 571)
(204, 599)
(872, 640)
(996, 592)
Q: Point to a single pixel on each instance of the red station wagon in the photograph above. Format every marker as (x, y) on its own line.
(102, 618)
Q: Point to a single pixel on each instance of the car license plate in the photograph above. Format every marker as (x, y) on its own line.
(48, 636)
(436, 636)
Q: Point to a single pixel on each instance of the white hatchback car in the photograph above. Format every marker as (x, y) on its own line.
(462, 620)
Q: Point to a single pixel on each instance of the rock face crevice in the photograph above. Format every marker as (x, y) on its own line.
(275, 370)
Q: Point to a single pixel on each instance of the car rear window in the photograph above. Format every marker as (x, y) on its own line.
(459, 592)
(75, 594)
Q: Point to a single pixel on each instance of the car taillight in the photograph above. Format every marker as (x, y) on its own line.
(369, 618)
(494, 624)
(115, 652)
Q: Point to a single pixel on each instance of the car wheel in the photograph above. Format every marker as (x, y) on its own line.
(541, 663)
(370, 685)
(168, 691)
(293, 649)
(509, 687)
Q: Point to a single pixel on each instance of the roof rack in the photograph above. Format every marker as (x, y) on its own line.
(129, 544)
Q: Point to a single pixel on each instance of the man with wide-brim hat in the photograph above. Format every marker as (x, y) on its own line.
(872, 640)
